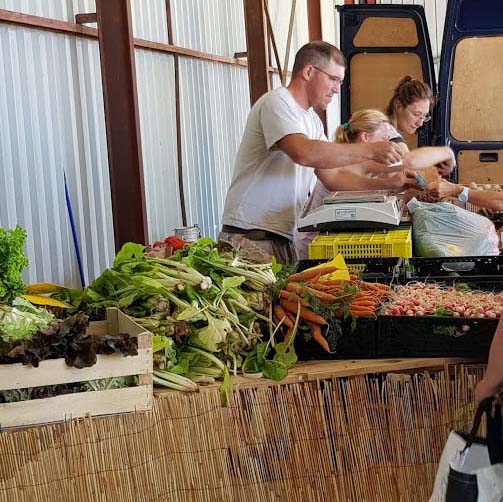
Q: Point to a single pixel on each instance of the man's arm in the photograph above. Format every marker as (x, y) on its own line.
(326, 155)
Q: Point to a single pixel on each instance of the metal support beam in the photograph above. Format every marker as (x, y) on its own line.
(122, 122)
(315, 33)
(256, 43)
(314, 19)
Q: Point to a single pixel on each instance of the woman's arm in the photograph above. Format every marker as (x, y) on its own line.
(488, 199)
(493, 379)
(426, 156)
(367, 177)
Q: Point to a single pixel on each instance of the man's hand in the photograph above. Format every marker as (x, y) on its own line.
(443, 189)
(385, 152)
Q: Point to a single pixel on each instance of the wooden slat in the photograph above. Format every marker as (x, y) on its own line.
(55, 371)
(470, 168)
(86, 18)
(322, 370)
(81, 404)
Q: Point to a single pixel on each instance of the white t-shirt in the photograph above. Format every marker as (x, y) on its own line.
(303, 239)
(268, 189)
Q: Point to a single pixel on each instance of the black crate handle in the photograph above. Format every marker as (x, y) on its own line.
(462, 266)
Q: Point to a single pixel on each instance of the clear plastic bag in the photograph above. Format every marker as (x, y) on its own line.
(444, 229)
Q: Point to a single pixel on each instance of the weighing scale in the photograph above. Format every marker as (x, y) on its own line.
(354, 210)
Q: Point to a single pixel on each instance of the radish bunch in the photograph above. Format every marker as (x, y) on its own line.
(426, 299)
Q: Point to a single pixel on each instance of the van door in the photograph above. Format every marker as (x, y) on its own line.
(382, 44)
(471, 89)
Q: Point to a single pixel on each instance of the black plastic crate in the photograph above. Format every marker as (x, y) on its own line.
(358, 341)
(410, 336)
(382, 270)
(479, 272)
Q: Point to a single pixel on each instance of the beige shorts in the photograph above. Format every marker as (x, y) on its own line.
(261, 251)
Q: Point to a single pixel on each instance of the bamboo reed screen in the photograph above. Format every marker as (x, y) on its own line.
(361, 438)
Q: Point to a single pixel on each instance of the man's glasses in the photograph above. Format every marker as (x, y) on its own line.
(333, 78)
(420, 116)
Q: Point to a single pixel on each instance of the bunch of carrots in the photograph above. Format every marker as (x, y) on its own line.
(355, 298)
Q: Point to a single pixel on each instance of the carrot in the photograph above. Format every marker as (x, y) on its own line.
(362, 303)
(334, 282)
(287, 295)
(322, 295)
(305, 313)
(316, 331)
(294, 287)
(309, 274)
(319, 287)
(281, 314)
(361, 312)
(316, 278)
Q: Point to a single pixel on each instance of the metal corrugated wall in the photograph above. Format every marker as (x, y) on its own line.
(156, 104)
(214, 101)
(52, 101)
(54, 9)
(53, 122)
(279, 11)
(213, 26)
(214, 104)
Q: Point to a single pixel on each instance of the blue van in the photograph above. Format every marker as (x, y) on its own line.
(385, 42)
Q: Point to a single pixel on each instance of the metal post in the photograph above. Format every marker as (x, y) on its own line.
(122, 122)
(256, 43)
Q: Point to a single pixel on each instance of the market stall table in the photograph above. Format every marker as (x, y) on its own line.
(368, 430)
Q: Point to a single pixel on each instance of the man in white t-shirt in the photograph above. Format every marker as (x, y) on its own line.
(282, 146)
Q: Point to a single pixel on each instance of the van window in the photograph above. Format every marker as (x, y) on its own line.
(477, 90)
(386, 32)
(377, 75)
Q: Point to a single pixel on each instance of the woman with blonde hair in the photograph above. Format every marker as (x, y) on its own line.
(370, 126)
(365, 126)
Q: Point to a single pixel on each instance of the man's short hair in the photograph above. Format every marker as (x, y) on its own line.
(317, 53)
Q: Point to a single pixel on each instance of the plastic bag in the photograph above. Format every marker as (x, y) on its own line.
(444, 229)
(470, 468)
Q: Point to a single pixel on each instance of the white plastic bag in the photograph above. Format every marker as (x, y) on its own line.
(465, 471)
(444, 229)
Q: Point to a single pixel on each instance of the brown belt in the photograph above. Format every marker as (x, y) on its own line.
(254, 234)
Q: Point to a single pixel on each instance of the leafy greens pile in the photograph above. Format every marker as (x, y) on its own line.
(12, 263)
(208, 310)
(68, 339)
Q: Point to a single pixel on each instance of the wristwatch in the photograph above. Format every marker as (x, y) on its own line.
(463, 195)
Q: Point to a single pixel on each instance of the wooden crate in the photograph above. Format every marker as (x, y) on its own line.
(81, 404)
